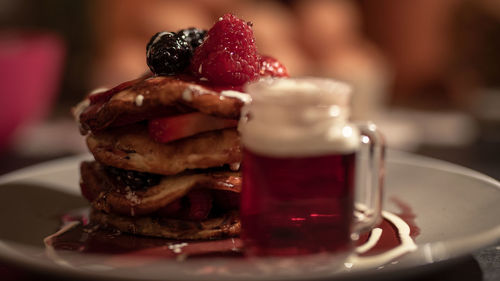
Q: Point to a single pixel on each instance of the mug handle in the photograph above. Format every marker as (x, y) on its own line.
(369, 178)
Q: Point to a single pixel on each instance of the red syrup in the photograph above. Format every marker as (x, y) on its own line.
(390, 236)
(98, 100)
(87, 238)
(92, 239)
(406, 213)
(104, 96)
(307, 211)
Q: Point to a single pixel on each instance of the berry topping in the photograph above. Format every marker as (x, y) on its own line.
(180, 126)
(226, 200)
(171, 210)
(167, 53)
(133, 179)
(200, 204)
(270, 66)
(228, 56)
(193, 36)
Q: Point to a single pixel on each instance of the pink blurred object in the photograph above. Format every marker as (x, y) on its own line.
(30, 72)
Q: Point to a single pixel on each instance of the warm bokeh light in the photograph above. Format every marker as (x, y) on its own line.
(404, 59)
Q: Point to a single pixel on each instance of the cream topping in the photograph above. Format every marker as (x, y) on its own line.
(371, 242)
(407, 245)
(139, 100)
(245, 98)
(187, 94)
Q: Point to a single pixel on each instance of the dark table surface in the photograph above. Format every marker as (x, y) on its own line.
(483, 156)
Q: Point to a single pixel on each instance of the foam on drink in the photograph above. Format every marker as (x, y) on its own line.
(298, 117)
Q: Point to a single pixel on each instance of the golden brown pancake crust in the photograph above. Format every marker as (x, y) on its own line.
(104, 194)
(131, 148)
(162, 96)
(228, 225)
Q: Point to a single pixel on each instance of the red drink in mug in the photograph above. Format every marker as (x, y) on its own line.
(301, 156)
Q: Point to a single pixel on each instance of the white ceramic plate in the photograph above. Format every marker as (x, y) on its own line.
(457, 211)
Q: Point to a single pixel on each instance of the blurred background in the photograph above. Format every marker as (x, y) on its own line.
(428, 72)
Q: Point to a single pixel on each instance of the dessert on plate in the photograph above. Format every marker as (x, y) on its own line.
(166, 149)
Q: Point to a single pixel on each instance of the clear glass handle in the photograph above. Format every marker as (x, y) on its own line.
(369, 178)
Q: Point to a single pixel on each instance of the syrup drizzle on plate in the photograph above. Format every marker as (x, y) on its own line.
(391, 239)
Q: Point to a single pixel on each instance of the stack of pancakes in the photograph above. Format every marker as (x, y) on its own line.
(183, 189)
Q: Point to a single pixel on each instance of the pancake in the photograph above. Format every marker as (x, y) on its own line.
(137, 211)
(131, 148)
(105, 194)
(160, 96)
(194, 195)
(227, 225)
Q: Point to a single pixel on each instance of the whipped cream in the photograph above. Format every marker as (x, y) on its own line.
(139, 100)
(298, 117)
(245, 98)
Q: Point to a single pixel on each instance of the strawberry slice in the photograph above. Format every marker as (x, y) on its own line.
(195, 206)
(180, 126)
(200, 204)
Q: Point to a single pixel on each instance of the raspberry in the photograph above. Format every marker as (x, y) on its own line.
(270, 66)
(228, 56)
(193, 36)
(167, 53)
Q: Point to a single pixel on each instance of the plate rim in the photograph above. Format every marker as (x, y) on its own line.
(477, 240)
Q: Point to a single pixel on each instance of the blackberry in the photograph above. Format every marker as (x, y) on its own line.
(193, 36)
(133, 179)
(168, 54)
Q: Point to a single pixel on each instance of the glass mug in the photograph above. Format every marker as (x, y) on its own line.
(305, 168)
